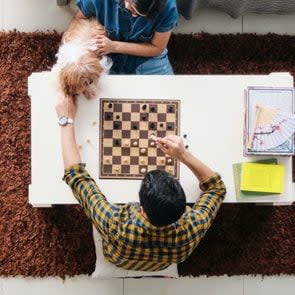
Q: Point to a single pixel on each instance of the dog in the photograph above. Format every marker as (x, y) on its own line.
(78, 65)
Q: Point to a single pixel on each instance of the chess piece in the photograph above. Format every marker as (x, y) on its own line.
(170, 109)
(108, 117)
(143, 170)
(142, 162)
(134, 127)
(144, 107)
(116, 125)
(110, 105)
(117, 117)
(117, 142)
(143, 151)
(108, 161)
(117, 169)
(135, 143)
(161, 125)
(152, 143)
(186, 146)
(184, 136)
(169, 127)
(162, 161)
(169, 161)
(153, 109)
(125, 161)
(126, 143)
(152, 125)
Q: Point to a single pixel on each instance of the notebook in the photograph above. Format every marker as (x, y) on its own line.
(262, 177)
(237, 169)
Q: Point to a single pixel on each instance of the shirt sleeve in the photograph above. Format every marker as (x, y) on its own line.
(88, 7)
(207, 206)
(94, 203)
(167, 20)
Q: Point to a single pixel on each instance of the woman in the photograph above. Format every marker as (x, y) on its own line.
(137, 33)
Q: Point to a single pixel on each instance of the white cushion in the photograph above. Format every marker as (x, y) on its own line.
(106, 270)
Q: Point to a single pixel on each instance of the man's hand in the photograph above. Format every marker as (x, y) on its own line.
(65, 106)
(172, 145)
(104, 45)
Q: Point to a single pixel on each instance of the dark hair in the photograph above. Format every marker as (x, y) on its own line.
(150, 8)
(162, 198)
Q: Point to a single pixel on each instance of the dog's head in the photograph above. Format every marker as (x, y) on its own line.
(81, 76)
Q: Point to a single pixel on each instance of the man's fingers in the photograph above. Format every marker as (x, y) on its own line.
(165, 150)
(162, 140)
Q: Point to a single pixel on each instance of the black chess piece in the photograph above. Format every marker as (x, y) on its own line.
(170, 109)
(184, 136)
(143, 118)
(116, 125)
(110, 105)
(152, 126)
(161, 125)
(117, 117)
(169, 127)
(117, 142)
(153, 109)
(108, 117)
(134, 127)
(144, 107)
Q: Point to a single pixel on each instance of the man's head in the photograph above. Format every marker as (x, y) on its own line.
(162, 198)
(147, 8)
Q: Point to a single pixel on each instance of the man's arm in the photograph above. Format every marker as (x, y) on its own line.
(83, 186)
(211, 185)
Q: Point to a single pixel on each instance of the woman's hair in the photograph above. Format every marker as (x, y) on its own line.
(150, 8)
(162, 198)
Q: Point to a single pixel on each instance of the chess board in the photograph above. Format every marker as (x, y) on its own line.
(126, 149)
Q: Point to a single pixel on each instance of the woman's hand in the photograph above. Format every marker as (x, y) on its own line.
(172, 145)
(65, 106)
(104, 45)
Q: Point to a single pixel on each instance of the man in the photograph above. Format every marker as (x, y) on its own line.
(137, 33)
(161, 229)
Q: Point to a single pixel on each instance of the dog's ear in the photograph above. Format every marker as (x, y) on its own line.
(69, 79)
(76, 78)
(92, 68)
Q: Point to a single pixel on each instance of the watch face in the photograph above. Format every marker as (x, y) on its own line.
(62, 121)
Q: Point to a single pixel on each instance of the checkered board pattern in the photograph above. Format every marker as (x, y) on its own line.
(126, 150)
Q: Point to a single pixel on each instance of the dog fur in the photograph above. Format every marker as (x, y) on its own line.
(78, 65)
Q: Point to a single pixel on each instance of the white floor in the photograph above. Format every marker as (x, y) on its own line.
(32, 15)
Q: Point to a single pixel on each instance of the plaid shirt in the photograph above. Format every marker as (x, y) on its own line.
(130, 240)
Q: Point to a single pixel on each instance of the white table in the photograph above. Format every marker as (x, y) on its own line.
(211, 116)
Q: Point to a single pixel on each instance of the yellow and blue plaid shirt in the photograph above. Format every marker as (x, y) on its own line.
(129, 239)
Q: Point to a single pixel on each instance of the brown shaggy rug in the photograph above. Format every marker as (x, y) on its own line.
(244, 239)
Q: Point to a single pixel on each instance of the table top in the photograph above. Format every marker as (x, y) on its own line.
(212, 116)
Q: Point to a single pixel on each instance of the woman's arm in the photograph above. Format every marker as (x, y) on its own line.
(154, 48)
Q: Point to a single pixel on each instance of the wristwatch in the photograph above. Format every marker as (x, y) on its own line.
(63, 121)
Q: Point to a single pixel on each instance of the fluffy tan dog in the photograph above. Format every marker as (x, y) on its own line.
(78, 65)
